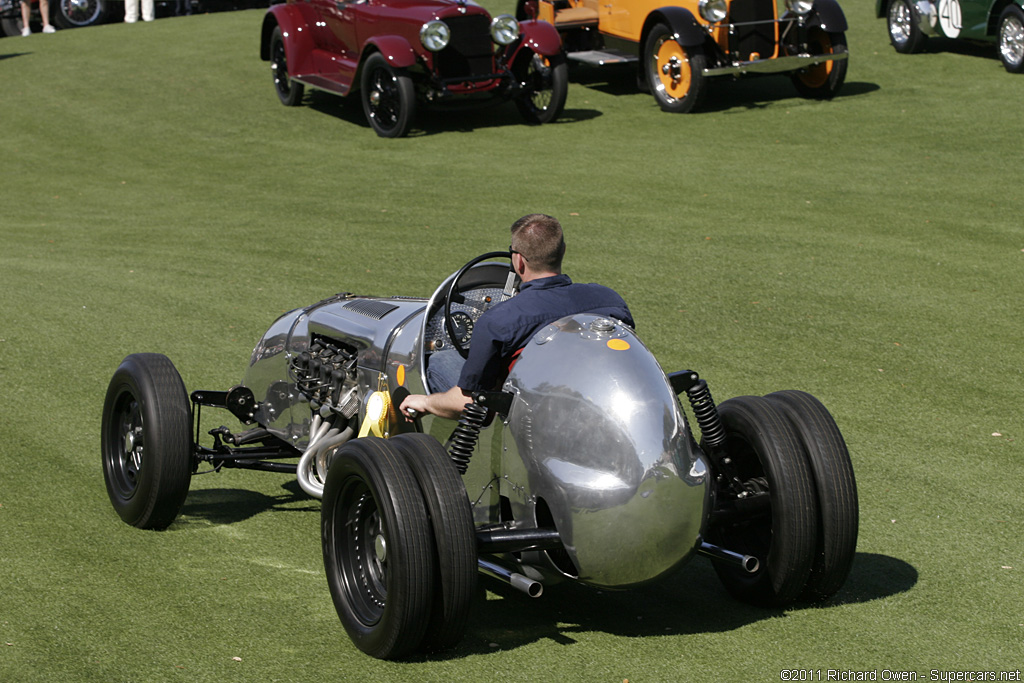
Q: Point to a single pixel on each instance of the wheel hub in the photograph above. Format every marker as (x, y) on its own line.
(375, 96)
(1013, 41)
(673, 68)
(900, 23)
(133, 447)
(380, 548)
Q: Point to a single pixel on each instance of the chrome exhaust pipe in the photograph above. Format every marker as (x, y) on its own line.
(747, 563)
(524, 583)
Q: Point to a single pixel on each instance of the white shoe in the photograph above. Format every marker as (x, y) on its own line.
(49, 29)
(26, 31)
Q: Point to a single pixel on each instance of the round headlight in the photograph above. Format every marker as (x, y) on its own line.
(435, 35)
(713, 11)
(801, 7)
(504, 29)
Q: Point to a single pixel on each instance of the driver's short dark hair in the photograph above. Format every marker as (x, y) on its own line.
(538, 237)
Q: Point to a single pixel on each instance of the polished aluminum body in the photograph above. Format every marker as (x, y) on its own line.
(595, 443)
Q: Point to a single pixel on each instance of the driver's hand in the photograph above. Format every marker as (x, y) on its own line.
(413, 406)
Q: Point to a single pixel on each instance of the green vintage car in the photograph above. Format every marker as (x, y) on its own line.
(911, 22)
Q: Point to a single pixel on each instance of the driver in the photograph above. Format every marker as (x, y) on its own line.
(545, 296)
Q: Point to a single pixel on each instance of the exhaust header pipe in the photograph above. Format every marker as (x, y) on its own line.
(524, 583)
(747, 563)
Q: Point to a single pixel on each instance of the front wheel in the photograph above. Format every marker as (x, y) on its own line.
(545, 87)
(146, 441)
(675, 73)
(389, 100)
(823, 81)
(775, 521)
(904, 22)
(376, 545)
(288, 91)
(1011, 39)
(78, 13)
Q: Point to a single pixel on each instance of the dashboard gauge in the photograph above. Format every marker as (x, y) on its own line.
(463, 325)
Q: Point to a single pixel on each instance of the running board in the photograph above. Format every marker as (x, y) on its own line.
(602, 57)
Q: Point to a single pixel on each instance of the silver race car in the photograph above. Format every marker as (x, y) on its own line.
(582, 466)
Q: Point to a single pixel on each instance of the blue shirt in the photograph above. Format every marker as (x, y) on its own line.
(504, 329)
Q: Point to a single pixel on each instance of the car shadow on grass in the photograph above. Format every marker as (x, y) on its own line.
(968, 48)
(215, 507)
(438, 120)
(690, 602)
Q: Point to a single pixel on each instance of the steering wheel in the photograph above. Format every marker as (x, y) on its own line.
(461, 341)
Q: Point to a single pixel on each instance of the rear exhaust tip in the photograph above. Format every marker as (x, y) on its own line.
(747, 563)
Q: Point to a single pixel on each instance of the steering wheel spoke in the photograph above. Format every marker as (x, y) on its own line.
(455, 321)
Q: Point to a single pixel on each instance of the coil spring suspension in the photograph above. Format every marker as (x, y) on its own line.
(464, 438)
(706, 412)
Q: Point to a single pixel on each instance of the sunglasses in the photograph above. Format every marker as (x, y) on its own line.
(513, 251)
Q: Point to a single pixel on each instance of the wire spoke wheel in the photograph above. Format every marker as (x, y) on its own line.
(79, 13)
(288, 91)
(545, 86)
(388, 97)
(1011, 39)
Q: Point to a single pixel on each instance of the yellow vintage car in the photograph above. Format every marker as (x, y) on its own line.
(678, 46)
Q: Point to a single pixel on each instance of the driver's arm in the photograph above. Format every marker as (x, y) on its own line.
(448, 404)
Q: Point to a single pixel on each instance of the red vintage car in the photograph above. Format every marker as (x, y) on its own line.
(400, 54)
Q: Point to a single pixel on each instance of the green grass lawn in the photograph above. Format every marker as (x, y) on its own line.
(870, 250)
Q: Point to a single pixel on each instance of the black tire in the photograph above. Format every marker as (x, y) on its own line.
(823, 81)
(454, 537)
(767, 454)
(675, 73)
(79, 13)
(832, 470)
(546, 86)
(146, 441)
(389, 100)
(1011, 39)
(12, 26)
(377, 548)
(904, 22)
(288, 91)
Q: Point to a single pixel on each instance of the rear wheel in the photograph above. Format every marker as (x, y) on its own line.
(146, 441)
(289, 92)
(389, 100)
(1011, 39)
(781, 531)
(823, 81)
(454, 536)
(376, 546)
(546, 84)
(836, 489)
(905, 27)
(675, 73)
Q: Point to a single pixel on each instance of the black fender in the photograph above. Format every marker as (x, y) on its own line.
(681, 21)
(828, 15)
